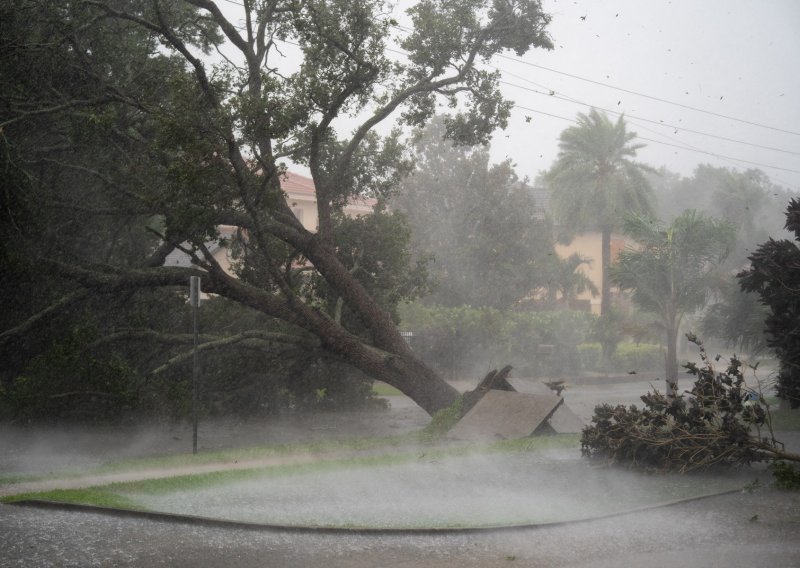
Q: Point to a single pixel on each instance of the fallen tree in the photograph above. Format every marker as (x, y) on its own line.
(131, 122)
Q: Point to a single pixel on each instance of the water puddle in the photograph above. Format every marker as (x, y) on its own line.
(468, 491)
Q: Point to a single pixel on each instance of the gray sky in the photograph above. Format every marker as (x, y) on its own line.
(736, 58)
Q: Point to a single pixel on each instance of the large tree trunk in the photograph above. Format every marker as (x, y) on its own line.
(389, 359)
(605, 258)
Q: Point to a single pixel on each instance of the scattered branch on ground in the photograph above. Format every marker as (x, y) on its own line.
(719, 422)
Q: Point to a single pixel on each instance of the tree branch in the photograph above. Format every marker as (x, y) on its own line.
(254, 338)
(44, 315)
(424, 85)
(227, 28)
(162, 29)
(24, 114)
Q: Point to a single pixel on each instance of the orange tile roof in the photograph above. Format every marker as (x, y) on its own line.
(304, 186)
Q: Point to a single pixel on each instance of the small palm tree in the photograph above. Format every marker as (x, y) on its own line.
(568, 281)
(595, 182)
(672, 270)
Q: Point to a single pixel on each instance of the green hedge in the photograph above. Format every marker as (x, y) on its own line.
(626, 357)
(467, 342)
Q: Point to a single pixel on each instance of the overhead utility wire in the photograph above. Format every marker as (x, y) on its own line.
(551, 92)
(629, 91)
(721, 155)
(555, 95)
(679, 146)
(651, 97)
(682, 147)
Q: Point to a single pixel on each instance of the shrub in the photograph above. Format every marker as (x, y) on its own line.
(787, 476)
(591, 356)
(443, 421)
(68, 383)
(458, 341)
(626, 357)
(642, 357)
(774, 274)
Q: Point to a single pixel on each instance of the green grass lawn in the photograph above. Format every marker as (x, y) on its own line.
(387, 453)
(382, 389)
(223, 456)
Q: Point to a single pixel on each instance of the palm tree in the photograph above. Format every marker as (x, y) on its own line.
(595, 182)
(672, 270)
(568, 281)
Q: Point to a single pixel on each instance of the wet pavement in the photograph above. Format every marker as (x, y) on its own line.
(732, 531)
(735, 530)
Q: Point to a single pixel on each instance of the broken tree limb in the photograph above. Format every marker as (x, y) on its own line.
(494, 380)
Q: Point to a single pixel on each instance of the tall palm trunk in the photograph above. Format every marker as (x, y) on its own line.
(605, 257)
(671, 363)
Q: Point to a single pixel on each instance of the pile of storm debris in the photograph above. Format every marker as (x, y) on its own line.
(497, 410)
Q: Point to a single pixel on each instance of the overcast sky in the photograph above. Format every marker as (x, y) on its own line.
(725, 69)
(736, 58)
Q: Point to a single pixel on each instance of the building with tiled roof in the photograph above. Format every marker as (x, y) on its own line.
(301, 197)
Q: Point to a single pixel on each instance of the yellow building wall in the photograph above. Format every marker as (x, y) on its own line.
(589, 245)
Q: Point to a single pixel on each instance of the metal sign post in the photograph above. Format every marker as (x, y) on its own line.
(194, 300)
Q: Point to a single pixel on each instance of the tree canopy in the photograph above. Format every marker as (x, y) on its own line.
(124, 139)
(747, 199)
(774, 274)
(479, 224)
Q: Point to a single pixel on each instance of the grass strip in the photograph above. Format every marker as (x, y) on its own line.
(102, 495)
(220, 456)
(382, 389)
(255, 453)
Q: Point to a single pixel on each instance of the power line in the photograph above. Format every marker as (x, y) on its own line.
(629, 91)
(651, 97)
(721, 155)
(555, 95)
(679, 146)
(682, 145)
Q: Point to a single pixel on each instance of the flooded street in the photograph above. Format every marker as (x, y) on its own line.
(716, 532)
(736, 530)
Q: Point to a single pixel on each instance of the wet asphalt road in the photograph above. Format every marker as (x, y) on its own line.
(739, 530)
(733, 531)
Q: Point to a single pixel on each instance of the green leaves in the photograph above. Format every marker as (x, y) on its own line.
(446, 42)
(594, 180)
(671, 268)
(774, 274)
(716, 424)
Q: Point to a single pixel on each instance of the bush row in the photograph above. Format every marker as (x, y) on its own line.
(465, 342)
(627, 357)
